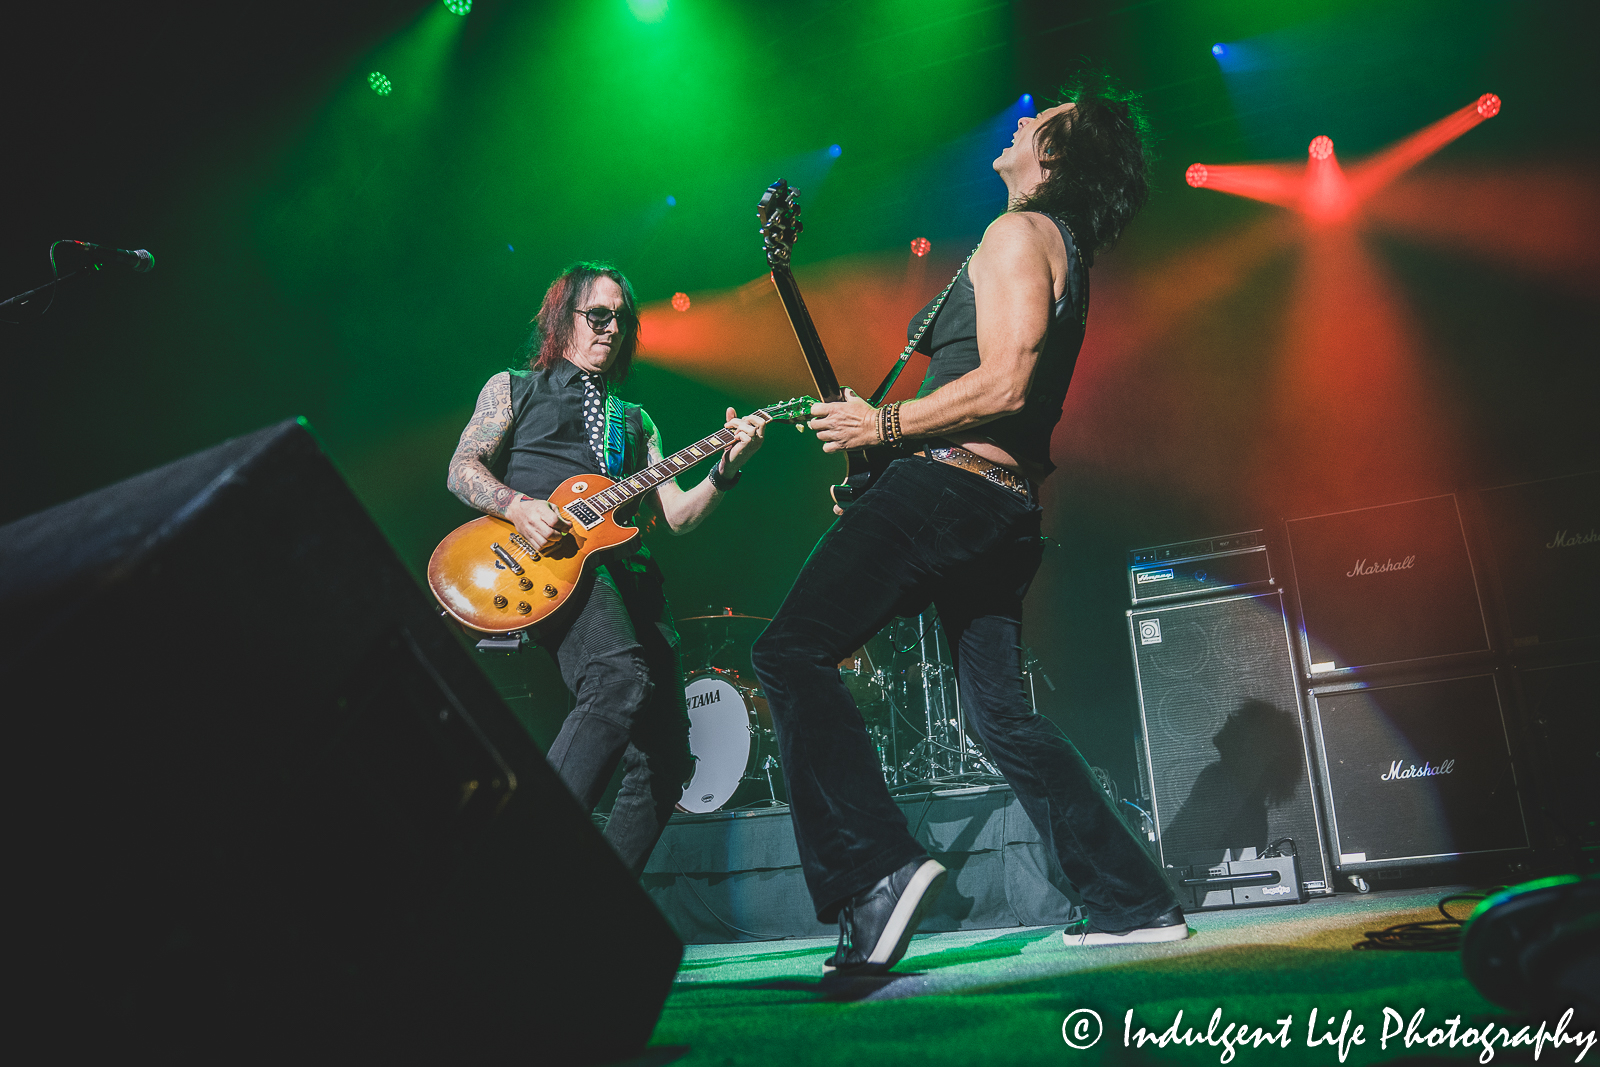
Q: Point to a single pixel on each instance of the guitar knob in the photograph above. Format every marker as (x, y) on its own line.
(525, 583)
(550, 590)
(523, 607)
(500, 601)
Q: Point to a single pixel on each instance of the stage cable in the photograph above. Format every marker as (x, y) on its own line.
(1432, 935)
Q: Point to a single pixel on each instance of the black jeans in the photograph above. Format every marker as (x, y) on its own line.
(619, 657)
(930, 532)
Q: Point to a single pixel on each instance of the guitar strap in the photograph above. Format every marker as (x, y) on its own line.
(927, 320)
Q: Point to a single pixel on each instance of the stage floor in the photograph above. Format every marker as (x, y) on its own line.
(1001, 996)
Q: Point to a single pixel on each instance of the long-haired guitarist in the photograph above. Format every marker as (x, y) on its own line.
(957, 524)
(616, 649)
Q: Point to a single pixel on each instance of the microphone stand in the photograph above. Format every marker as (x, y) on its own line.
(21, 299)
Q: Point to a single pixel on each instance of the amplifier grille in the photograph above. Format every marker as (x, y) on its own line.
(1417, 771)
(1223, 733)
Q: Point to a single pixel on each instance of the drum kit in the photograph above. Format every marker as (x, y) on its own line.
(904, 684)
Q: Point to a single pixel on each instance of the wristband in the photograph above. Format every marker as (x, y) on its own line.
(722, 482)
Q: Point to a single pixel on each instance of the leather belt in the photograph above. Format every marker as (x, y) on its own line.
(971, 461)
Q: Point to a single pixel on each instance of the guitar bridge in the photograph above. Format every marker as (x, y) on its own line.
(505, 557)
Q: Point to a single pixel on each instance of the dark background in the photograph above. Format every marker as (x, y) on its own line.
(368, 261)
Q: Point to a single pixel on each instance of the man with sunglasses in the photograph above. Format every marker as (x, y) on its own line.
(955, 523)
(557, 418)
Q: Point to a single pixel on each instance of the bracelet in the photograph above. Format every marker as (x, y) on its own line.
(721, 482)
(889, 423)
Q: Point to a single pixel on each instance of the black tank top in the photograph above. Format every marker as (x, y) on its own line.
(548, 442)
(952, 345)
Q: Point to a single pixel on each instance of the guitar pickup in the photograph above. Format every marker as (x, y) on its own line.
(505, 557)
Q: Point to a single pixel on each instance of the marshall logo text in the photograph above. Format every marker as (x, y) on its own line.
(1427, 770)
(1363, 568)
(1566, 540)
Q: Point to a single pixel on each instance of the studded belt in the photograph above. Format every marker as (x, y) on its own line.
(971, 461)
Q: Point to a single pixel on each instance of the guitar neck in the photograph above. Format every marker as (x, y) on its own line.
(805, 331)
(638, 484)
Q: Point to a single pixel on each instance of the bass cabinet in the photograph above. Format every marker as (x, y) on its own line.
(1416, 772)
(1225, 750)
(1386, 586)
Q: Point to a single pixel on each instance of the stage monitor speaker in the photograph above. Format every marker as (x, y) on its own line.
(265, 805)
(1385, 586)
(1416, 772)
(1225, 748)
(1562, 708)
(1544, 539)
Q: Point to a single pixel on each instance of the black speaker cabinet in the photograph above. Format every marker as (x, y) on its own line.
(1387, 585)
(1416, 772)
(265, 806)
(1225, 747)
(1562, 708)
(1544, 539)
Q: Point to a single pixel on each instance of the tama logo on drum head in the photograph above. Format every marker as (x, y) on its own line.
(710, 696)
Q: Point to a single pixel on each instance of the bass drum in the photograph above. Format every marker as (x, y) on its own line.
(725, 735)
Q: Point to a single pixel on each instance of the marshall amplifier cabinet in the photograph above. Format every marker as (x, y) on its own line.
(1205, 567)
(1544, 539)
(1385, 586)
(1225, 746)
(1416, 772)
(1562, 709)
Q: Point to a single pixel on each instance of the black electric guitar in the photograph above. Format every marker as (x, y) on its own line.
(779, 212)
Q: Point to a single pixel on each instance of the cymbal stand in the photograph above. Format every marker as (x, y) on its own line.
(945, 753)
(772, 800)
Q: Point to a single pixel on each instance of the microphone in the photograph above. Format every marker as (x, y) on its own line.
(140, 260)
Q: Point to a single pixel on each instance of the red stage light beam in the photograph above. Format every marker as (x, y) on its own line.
(1325, 196)
(1321, 191)
(1379, 170)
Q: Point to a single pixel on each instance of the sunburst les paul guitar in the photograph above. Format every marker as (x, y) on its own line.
(490, 578)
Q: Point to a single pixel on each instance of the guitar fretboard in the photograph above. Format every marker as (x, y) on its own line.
(635, 484)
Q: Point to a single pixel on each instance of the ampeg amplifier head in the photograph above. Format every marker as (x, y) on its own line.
(1385, 585)
(1205, 567)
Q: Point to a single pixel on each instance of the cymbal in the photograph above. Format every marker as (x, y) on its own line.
(724, 615)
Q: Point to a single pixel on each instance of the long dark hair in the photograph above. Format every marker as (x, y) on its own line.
(1097, 161)
(553, 326)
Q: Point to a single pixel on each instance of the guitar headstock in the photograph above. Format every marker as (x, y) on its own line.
(779, 212)
(797, 410)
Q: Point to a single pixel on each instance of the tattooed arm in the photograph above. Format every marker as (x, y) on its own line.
(469, 479)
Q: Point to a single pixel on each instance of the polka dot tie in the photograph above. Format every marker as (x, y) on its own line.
(594, 416)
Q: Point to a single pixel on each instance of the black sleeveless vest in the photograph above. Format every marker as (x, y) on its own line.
(548, 442)
(952, 345)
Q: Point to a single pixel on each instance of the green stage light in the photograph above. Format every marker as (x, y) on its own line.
(458, 7)
(380, 83)
(648, 10)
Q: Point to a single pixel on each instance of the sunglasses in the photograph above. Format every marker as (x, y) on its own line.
(600, 317)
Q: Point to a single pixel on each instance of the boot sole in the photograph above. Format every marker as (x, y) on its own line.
(919, 895)
(1150, 935)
